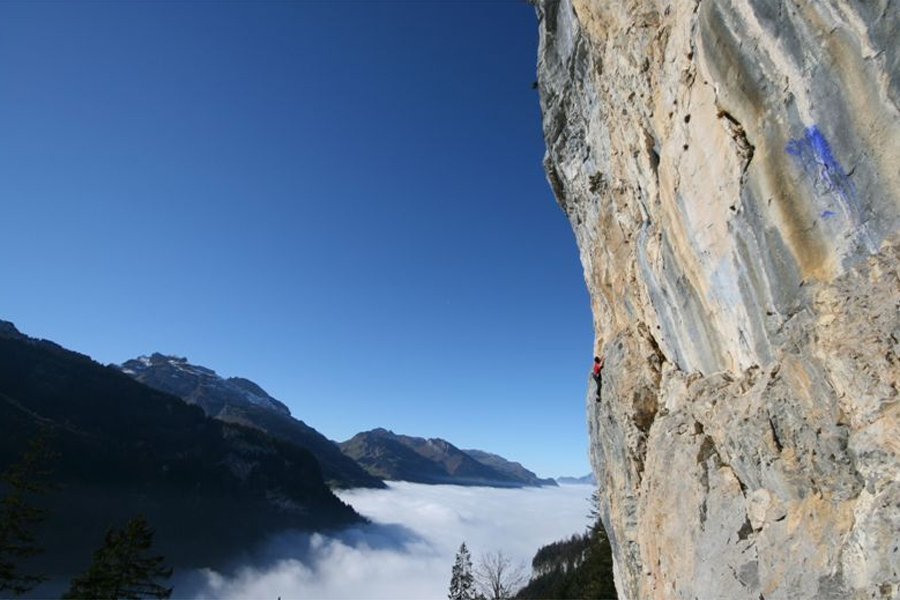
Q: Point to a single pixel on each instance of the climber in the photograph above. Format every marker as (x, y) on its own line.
(598, 373)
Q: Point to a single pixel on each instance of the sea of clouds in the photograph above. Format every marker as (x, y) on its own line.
(408, 549)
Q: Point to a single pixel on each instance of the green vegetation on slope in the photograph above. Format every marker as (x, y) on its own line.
(24, 481)
(121, 568)
(210, 488)
(226, 400)
(579, 567)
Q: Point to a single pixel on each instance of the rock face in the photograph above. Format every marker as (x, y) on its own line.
(731, 171)
(200, 385)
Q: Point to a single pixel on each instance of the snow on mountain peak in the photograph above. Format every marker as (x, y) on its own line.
(176, 375)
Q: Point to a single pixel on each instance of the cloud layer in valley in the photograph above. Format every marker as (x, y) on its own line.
(408, 549)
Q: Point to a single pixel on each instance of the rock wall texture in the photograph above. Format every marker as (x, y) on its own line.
(731, 170)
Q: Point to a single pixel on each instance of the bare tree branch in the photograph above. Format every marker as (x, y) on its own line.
(498, 577)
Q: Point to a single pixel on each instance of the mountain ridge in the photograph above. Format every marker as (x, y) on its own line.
(240, 400)
(512, 468)
(210, 489)
(434, 461)
(583, 480)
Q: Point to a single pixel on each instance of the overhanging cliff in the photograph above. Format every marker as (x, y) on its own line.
(731, 171)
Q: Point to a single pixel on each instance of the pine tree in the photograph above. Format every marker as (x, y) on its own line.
(581, 567)
(19, 517)
(120, 570)
(598, 563)
(462, 583)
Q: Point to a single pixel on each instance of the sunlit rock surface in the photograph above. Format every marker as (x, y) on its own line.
(731, 171)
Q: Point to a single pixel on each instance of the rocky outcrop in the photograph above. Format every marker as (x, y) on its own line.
(730, 170)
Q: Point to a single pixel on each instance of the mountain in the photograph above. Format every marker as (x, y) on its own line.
(512, 469)
(238, 400)
(200, 385)
(584, 480)
(209, 488)
(399, 457)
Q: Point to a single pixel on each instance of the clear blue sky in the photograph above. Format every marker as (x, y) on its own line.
(343, 201)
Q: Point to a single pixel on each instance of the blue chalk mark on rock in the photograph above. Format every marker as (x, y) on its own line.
(812, 154)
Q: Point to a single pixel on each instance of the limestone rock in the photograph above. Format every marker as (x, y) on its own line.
(731, 171)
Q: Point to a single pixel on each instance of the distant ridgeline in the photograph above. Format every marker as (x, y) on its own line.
(241, 401)
(209, 487)
(399, 457)
(584, 480)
